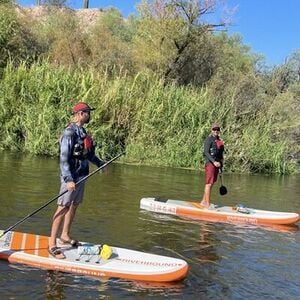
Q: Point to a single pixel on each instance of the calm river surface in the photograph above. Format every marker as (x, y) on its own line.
(226, 261)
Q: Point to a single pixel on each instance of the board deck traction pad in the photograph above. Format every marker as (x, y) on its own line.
(32, 249)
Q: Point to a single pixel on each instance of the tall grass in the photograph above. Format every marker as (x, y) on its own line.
(155, 124)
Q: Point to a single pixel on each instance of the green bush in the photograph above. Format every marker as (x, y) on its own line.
(155, 124)
(16, 42)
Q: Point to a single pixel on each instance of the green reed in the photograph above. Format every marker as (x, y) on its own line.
(155, 124)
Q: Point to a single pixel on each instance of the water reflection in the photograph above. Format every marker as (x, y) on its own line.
(227, 261)
(55, 285)
(207, 245)
(282, 228)
(58, 286)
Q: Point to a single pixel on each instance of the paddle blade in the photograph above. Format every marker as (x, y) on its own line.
(106, 252)
(223, 190)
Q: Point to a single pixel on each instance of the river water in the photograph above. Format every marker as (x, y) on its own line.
(226, 261)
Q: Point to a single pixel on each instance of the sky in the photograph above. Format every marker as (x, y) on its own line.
(269, 27)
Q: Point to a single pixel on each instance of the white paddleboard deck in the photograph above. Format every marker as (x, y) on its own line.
(32, 250)
(218, 213)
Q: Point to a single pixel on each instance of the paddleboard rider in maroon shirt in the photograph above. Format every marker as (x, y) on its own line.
(214, 157)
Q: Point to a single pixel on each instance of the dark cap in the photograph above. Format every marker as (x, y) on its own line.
(81, 106)
(215, 125)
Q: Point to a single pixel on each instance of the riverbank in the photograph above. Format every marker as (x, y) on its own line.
(154, 124)
(155, 98)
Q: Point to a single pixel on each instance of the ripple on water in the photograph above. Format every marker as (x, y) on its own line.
(226, 261)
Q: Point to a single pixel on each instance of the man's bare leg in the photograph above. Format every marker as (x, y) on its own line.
(206, 196)
(56, 223)
(69, 217)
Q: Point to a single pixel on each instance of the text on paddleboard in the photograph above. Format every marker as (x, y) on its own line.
(149, 263)
(163, 208)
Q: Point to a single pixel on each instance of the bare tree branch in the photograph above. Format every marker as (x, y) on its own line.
(191, 10)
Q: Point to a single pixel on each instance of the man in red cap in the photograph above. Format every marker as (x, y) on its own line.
(76, 151)
(214, 157)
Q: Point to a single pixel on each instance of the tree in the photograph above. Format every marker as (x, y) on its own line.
(62, 38)
(16, 42)
(58, 3)
(288, 73)
(167, 29)
(6, 2)
(86, 4)
(109, 42)
(191, 12)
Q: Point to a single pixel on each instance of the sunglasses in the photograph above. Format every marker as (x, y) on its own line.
(216, 129)
(87, 111)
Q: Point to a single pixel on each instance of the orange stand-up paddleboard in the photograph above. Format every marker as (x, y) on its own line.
(32, 250)
(232, 214)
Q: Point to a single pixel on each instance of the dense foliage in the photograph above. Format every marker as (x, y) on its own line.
(157, 80)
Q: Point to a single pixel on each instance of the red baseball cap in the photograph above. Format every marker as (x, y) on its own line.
(81, 106)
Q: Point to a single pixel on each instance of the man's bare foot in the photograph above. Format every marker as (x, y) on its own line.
(204, 204)
(56, 252)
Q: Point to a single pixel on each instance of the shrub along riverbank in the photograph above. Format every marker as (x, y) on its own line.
(158, 80)
(153, 123)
